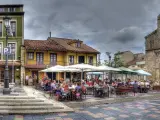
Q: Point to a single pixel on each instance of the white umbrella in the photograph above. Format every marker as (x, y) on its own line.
(142, 72)
(59, 68)
(82, 67)
(107, 68)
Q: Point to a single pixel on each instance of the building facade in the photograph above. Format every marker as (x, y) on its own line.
(41, 54)
(152, 47)
(130, 59)
(15, 42)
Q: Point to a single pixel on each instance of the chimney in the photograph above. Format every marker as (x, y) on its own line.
(50, 34)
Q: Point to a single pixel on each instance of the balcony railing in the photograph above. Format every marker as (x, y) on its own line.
(53, 63)
(40, 63)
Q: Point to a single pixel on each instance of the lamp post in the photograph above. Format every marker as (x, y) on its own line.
(6, 89)
(110, 63)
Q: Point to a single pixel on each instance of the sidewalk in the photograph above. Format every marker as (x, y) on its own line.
(91, 100)
(113, 99)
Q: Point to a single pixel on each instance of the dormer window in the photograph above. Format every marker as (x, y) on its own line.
(11, 9)
(78, 44)
(1, 9)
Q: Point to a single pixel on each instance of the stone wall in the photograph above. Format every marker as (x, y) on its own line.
(153, 66)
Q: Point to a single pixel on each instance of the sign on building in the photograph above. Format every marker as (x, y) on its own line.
(7, 50)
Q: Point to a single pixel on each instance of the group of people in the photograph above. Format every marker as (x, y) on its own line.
(62, 89)
(31, 80)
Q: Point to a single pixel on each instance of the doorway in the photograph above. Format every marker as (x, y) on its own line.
(81, 59)
(35, 73)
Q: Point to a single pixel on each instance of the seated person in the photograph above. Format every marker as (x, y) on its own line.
(58, 92)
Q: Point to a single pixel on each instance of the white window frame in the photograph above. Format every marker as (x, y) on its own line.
(89, 59)
(1, 51)
(16, 26)
(28, 56)
(53, 57)
(2, 27)
(70, 63)
(14, 9)
(15, 51)
(3, 9)
(78, 44)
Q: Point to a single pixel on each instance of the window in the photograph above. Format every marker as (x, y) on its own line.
(0, 29)
(12, 9)
(12, 56)
(13, 28)
(71, 60)
(81, 59)
(1, 52)
(39, 58)
(30, 55)
(90, 60)
(78, 44)
(1, 9)
(53, 59)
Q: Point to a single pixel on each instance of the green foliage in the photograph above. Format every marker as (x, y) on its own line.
(117, 60)
(106, 62)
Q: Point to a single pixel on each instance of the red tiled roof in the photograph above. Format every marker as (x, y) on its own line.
(66, 44)
(58, 44)
(42, 45)
(35, 66)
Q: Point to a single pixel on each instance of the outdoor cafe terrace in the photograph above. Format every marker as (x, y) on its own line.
(96, 83)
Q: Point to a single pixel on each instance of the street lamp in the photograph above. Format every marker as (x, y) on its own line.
(110, 64)
(6, 89)
(109, 56)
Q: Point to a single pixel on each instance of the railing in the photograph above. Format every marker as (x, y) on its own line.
(40, 63)
(53, 63)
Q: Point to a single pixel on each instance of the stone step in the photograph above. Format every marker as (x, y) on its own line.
(16, 97)
(25, 104)
(22, 112)
(30, 107)
(21, 100)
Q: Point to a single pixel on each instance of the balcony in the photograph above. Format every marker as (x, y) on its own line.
(53, 63)
(39, 63)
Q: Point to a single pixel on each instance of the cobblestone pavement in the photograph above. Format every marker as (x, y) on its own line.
(137, 110)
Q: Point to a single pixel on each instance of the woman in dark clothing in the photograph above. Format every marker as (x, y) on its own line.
(135, 87)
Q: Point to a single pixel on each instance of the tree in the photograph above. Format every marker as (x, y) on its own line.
(106, 62)
(117, 60)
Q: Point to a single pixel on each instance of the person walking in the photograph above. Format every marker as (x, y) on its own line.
(135, 88)
(27, 79)
(35, 79)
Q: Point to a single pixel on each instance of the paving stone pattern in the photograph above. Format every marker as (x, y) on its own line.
(137, 110)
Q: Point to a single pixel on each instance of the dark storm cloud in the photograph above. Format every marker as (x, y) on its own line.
(126, 35)
(107, 25)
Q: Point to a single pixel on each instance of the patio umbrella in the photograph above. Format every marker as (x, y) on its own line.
(142, 72)
(104, 68)
(59, 68)
(126, 70)
(82, 67)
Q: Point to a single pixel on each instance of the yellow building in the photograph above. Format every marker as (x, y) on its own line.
(41, 54)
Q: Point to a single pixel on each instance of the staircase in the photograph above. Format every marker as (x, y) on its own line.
(19, 102)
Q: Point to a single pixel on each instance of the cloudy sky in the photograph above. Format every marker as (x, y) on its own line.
(107, 25)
